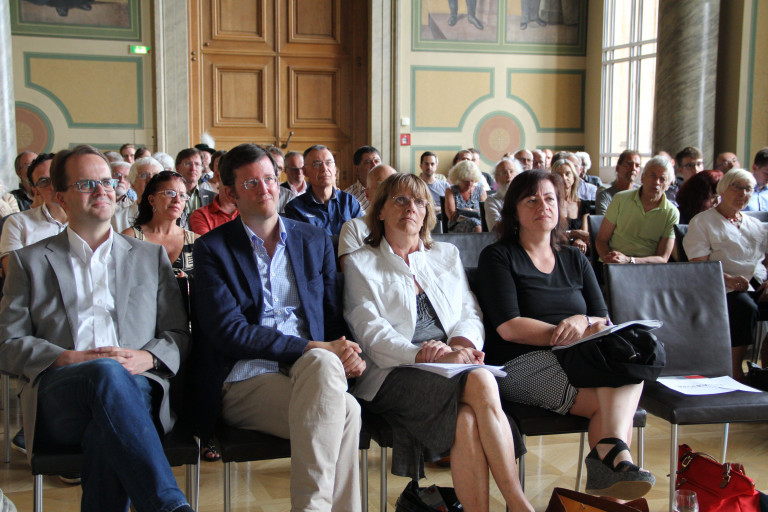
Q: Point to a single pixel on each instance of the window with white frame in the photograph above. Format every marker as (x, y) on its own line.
(629, 78)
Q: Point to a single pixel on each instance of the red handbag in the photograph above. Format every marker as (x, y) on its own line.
(719, 487)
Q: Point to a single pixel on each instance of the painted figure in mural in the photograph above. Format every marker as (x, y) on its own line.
(63, 6)
(530, 13)
(453, 5)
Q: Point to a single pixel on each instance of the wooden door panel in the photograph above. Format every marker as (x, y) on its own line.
(315, 95)
(238, 26)
(312, 26)
(241, 96)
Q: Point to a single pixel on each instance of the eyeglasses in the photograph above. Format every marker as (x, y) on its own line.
(89, 186)
(118, 175)
(269, 181)
(144, 176)
(742, 188)
(318, 164)
(403, 201)
(170, 193)
(43, 183)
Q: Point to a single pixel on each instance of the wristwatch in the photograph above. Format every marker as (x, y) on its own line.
(155, 363)
(632, 260)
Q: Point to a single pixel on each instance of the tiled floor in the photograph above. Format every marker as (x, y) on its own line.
(551, 462)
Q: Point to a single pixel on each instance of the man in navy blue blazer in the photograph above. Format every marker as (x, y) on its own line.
(265, 298)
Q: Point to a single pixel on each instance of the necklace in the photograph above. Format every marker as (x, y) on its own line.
(736, 219)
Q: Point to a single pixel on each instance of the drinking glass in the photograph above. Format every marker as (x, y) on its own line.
(686, 501)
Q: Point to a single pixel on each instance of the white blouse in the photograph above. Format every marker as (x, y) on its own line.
(741, 250)
(380, 305)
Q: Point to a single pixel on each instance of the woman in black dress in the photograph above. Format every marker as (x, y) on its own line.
(535, 294)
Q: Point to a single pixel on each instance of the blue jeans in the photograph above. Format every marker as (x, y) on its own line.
(99, 406)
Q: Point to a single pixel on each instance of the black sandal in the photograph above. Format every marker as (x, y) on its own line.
(624, 481)
(209, 453)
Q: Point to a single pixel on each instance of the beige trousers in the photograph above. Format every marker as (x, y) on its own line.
(312, 408)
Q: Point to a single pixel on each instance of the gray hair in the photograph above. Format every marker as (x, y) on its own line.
(514, 161)
(140, 164)
(165, 160)
(585, 160)
(660, 161)
(113, 156)
(732, 177)
(113, 166)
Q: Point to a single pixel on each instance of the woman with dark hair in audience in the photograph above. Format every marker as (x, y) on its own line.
(462, 200)
(697, 194)
(161, 205)
(406, 300)
(574, 209)
(538, 293)
(740, 243)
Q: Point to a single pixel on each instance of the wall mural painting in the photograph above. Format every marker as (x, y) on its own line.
(511, 26)
(96, 19)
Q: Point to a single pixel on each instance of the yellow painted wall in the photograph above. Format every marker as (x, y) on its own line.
(448, 100)
(758, 136)
(71, 91)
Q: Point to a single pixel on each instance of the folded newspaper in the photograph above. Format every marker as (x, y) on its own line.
(651, 324)
(451, 370)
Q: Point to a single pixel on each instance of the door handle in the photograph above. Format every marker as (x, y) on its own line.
(284, 145)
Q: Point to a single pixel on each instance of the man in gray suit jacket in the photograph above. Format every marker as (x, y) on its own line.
(92, 322)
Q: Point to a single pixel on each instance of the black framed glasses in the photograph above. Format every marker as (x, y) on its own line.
(89, 186)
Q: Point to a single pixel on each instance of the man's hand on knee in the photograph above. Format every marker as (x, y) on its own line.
(135, 361)
(347, 351)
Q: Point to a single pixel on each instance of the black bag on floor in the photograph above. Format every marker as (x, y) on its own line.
(756, 377)
(427, 499)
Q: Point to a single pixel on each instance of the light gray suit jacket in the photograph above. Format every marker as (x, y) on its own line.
(38, 314)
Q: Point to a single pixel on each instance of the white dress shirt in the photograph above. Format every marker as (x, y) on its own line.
(95, 287)
(380, 305)
(30, 226)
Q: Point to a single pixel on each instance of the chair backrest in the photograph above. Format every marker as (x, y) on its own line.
(470, 245)
(690, 299)
(483, 223)
(680, 231)
(593, 225)
(443, 216)
(761, 216)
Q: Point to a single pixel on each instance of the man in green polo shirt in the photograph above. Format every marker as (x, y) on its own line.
(639, 224)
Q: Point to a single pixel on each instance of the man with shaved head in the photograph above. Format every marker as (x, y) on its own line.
(354, 231)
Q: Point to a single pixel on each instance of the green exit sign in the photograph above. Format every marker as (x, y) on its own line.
(138, 49)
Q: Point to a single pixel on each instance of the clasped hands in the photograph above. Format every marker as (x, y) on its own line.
(434, 351)
(348, 351)
(135, 361)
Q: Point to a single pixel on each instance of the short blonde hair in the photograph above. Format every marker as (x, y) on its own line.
(466, 170)
(414, 186)
(733, 176)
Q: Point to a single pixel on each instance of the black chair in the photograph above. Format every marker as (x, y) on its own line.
(761, 216)
(239, 445)
(470, 245)
(680, 231)
(483, 223)
(593, 225)
(690, 299)
(443, 216)
(180, 446)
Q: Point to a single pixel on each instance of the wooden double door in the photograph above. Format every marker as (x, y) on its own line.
(286, 72)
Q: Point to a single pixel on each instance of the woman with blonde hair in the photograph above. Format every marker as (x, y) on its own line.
(574, 209)
(407, 300)
(462, 201)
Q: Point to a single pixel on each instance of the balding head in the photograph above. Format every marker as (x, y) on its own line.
(377, 175)
(525, 158)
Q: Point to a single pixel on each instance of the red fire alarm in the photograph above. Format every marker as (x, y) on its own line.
(405, 139)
